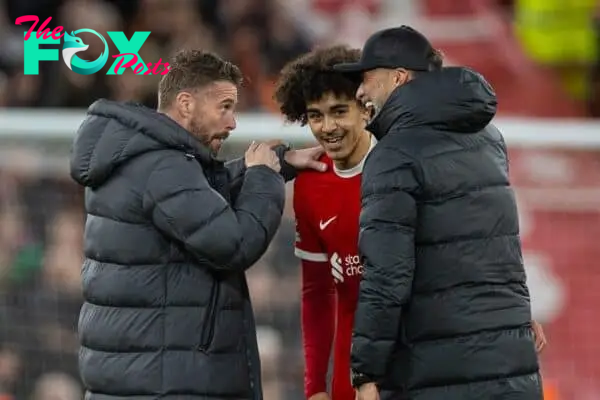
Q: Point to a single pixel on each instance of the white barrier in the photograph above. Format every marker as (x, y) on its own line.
(519, 132)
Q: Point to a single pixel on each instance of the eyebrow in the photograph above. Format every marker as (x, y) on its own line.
(335, 107)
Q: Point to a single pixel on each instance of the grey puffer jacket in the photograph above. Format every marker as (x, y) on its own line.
(170, 232)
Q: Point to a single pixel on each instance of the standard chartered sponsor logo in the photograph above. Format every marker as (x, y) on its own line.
(348, 266)
(337, 269)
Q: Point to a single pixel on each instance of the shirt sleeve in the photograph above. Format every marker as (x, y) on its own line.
(318, 324)
(308, 247)
(318, 296)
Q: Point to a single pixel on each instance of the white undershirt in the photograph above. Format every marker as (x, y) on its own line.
(358, 168)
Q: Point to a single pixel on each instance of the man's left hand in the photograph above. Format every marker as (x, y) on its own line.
(540, 337)
(306, 158)
(368, 391)
(303, 158)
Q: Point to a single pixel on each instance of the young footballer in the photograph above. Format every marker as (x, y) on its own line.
(327, 206)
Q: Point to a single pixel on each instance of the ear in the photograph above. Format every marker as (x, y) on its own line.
(401, 76)
(185, 104)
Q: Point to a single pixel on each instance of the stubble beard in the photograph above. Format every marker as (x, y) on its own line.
(374, 110)
(198, 131)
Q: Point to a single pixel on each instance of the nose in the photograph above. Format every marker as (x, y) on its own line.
(329, 125)
(360, 93)
(231, 123)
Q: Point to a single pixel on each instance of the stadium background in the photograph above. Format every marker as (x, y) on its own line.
(540, 55)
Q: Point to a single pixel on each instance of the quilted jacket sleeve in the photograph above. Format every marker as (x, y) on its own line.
(219, 235)
(386, 245)
(237, 168)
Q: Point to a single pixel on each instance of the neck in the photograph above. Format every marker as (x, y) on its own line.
(174, 116)
(170, 114)
(360, 151)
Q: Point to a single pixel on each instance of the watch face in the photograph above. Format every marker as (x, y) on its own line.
(359, 379)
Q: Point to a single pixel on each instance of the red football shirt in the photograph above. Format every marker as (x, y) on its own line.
(327, 208)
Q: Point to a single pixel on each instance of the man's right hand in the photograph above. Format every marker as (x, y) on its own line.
(320, 396)
(261, 154)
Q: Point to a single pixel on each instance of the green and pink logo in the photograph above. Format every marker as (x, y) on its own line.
(128, 56)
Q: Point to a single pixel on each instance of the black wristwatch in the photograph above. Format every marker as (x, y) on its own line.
(281, 148)
(287, 171)
(358, 379)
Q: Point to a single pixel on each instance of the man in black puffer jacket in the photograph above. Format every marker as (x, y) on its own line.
(169, 234)
(444, 310)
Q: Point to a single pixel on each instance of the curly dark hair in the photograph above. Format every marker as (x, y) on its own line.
(309, 77)
(192, 69)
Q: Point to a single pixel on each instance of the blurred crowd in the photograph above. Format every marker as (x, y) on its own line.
(40, 258)
(262, 35)
(258, 35)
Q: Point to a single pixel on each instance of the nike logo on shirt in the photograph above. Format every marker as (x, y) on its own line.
(323, 225)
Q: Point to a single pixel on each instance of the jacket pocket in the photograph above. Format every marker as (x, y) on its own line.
(210, 318)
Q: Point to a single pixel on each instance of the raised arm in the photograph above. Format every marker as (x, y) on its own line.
(237, 168)
(219, 235)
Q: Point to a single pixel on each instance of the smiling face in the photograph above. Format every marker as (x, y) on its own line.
(310, 92)
(338, 124)
(377, 86)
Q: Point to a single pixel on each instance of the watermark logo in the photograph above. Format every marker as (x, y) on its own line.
(128, 56)
(73, 45)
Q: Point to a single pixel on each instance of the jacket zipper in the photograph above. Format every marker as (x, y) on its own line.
(208, 328)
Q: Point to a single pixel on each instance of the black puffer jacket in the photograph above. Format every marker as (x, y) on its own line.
(167, 313)
(444, 309)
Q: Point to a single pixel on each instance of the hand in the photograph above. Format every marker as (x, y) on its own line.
(539, 336)
(274, 143)
(368, 391)
(306, 158)
(261, 154)
(320, 396)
